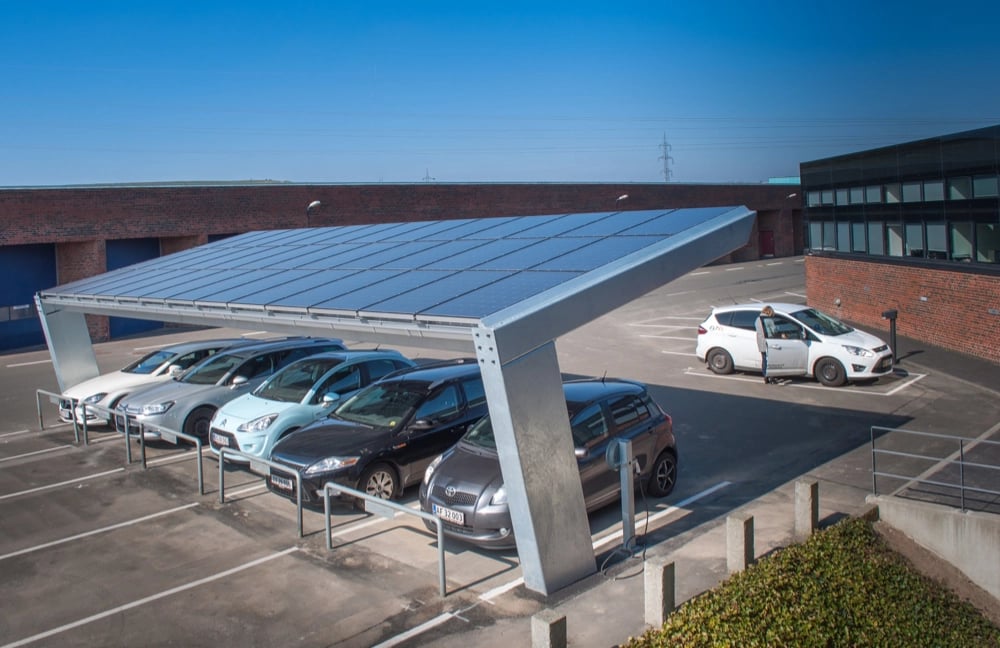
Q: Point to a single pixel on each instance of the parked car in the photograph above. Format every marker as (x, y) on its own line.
(156, 366)
(381, 439)
(301, 393)
(464, 486)
(802, 342)
(188, 402)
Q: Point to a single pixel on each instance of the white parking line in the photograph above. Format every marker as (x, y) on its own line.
(913, 379)
(735, 269)
(148, 599)
(28, 364)
(87, 534)
(680, 353)
(10, 434)
(36, 452)
(65, 483)
(685, 338)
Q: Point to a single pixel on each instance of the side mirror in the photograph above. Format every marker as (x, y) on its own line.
(581, 453)
(330, 398)
(421, 424)
(238, 381)
(174, 370)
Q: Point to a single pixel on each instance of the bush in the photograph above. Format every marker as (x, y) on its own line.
(843, 587)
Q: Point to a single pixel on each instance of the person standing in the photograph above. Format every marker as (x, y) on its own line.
(763, 326)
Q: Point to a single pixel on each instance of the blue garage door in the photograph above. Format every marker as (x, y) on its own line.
(125, 253)
(33, 268)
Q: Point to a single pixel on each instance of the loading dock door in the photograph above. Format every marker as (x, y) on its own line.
(122, 253)
(35, 269)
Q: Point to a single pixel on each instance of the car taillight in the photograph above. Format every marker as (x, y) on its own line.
(702, 330)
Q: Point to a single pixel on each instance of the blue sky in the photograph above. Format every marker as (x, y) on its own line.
(348, 92)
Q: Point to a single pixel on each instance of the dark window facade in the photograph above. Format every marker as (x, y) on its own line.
(930, 200)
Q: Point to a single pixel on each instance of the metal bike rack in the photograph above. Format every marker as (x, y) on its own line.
(55, 398)
(388, 509)
(262, 467)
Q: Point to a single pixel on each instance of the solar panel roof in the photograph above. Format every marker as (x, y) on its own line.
(460, 270)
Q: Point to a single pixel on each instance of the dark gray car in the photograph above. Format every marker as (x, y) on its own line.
(465, 489)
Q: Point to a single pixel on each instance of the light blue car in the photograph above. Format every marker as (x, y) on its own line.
(302, 392)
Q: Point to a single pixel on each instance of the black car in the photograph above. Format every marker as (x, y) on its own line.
(465, 489)
(381, 439)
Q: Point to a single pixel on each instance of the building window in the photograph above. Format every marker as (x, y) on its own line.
(815, 236)
(812, 199)
(843, 237)
(826, 197)
(895, 236)
(857, 237)
(934, 190)
(961, 241)
(984, 186)
(960, 188)
(829, 242)
(842, 197)
(873, 194)
(988, 243)
(937, 241)
(911, 192)
(914, 240)
(876, 238)
(857, 195)
(893, 193)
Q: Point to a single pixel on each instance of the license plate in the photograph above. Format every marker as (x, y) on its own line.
(448, 514)
(220, 440)
(282, 482)
(886, 363)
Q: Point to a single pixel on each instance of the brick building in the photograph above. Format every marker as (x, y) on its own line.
(55, 235)
(913, 228)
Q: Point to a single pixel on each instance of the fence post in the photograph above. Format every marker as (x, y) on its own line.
(548, 630)
(659, 589)
(739, 542)
(806, 509)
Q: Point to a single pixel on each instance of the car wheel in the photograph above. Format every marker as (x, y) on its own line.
(664, 475)
(199, 422)
(720, 362)
(830, 372)
(380, 481)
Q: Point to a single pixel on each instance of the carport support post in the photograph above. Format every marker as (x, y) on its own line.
(806, 509)
(739, 542)
(69, 343)
(535, 446)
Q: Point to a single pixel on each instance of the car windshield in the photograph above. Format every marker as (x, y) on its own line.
(212, 371)
(381, 405)
(292, 384)
(821, 322)
(481, 435)
(149, 362)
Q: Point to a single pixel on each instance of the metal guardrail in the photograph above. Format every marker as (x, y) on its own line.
(385, 508)
(263, 467)
(56, 399)
(957, 450)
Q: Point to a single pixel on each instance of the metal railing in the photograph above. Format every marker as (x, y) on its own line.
(57, 399)
(917, 467)
(388, 509)
(262, 467)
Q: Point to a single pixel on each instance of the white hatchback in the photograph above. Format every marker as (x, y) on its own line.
(802, 342)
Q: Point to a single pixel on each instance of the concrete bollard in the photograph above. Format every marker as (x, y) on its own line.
(658, 591)
(806, 509)
(548, 630)
(739, 542)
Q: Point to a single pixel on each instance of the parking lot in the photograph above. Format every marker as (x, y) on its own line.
(98, 551)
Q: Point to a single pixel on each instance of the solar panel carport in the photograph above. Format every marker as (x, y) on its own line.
(504, 288)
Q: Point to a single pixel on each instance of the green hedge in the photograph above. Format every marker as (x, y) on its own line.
(843, 587)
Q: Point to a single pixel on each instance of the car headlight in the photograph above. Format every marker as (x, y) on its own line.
(258, 424)
(858, 351)
(157, 408)
(329, 464)
(429, 471)
(95, 398)
(500, 497)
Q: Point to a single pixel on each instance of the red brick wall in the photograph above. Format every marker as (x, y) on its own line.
(79, 260)
(951, 309)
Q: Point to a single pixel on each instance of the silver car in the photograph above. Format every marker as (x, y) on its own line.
(106, 390)
(189, 401)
